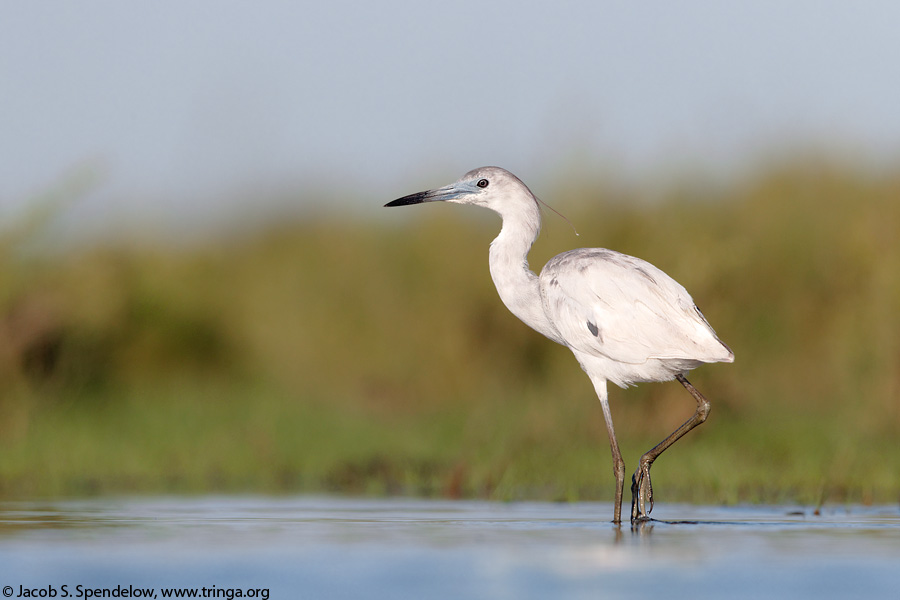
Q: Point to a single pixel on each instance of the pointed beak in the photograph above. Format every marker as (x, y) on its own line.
(445, 193)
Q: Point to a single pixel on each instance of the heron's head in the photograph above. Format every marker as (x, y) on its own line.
(491, 187)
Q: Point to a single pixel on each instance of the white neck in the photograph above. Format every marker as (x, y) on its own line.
(518, 286)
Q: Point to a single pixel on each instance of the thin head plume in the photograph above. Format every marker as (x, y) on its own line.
(559, 214)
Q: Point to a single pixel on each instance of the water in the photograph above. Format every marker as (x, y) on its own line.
(369, 548)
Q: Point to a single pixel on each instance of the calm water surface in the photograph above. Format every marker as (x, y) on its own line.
(304, 547)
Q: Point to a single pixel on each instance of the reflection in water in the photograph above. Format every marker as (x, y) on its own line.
(447, 549)
(642, 528)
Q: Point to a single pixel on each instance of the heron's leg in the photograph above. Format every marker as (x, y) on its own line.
(618, 463)
(641, 489)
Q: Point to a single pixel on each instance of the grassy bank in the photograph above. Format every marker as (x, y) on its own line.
(323, 355)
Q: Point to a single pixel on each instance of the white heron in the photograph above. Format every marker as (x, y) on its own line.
(624, 319)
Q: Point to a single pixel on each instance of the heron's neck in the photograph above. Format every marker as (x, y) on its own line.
(518, 286)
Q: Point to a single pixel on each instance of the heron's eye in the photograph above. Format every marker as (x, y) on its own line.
(482, 183)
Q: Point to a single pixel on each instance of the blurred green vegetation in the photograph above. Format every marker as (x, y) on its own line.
(340, 356)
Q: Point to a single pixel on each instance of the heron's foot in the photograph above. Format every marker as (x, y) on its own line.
(641, 494)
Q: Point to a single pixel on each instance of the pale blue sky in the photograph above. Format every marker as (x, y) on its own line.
(182, 104)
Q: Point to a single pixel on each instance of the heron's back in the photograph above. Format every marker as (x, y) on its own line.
(621, 309)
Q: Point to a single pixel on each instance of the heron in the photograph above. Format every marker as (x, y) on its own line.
(625, 320)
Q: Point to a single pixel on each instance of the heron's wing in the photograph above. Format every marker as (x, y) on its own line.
(611, 304)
